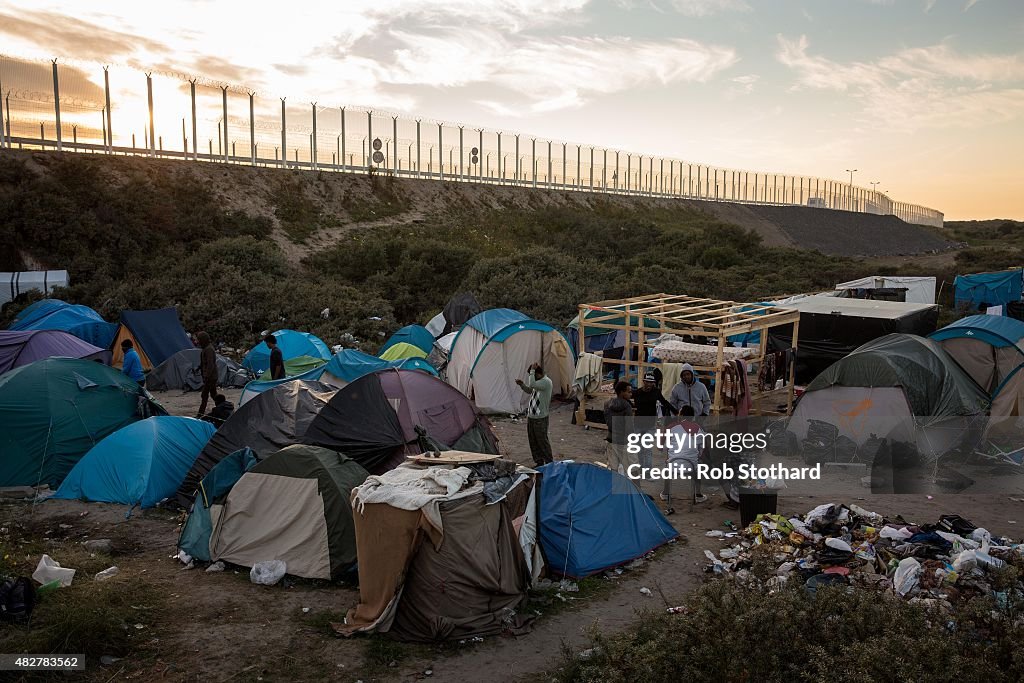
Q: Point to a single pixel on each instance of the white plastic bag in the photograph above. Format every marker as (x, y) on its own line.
(107, 573)
(906, 576)
(50, 570)
(268, 573)
(895, 534)
(838, 544)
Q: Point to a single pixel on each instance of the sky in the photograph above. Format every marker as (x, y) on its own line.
(925, 97)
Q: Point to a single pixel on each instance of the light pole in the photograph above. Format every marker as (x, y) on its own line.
(849, 198)
(851, 172)
(874, 185)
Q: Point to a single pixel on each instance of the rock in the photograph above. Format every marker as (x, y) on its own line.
(217, 566)
(99, 545)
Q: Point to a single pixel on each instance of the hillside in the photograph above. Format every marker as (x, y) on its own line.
(241, 249)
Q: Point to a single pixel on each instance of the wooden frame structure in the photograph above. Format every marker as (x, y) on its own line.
(652, 315)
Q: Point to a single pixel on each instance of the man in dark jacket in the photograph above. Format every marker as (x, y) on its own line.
(648, 397)
(207, 370)
(277, 370)
(618, 414)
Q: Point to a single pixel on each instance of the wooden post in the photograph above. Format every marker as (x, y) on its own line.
(717, 405)
(792, 368)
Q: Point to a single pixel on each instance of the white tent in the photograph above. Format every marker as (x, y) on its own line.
(494, 349)
(920, 290)
(13, 284)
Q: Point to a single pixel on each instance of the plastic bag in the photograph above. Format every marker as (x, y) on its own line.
(50, 570)
(895, 534)
(838, 544)
(107, 573)
(268, 573)
(907, 573)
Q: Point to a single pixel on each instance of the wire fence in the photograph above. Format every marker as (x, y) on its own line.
(79, 106)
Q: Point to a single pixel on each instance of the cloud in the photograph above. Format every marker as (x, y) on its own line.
(932, 86)
(970, 4)
(744, 84)
(690, 8)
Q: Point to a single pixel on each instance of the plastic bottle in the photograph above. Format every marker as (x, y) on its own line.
(48, 588)
(861, 512)
(107, 573)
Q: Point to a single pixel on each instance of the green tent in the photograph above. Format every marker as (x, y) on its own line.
(402, 350)
(53, 411)
(297, 366)
(293, 506)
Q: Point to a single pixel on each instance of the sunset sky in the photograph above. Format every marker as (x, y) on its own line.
(925, 96)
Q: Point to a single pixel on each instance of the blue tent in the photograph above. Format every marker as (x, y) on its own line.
(291, 343)
(195, 534)
(994, 330)
(592, 519)
(993, 289)
(347, 366)
(54, 314)
(416, 335)
(140, 464)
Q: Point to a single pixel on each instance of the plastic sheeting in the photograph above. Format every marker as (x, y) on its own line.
(988, 289)
(592, 519)
(140, 464)
(920, 290)
(181, 371)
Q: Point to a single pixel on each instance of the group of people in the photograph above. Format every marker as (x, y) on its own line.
(688, 400)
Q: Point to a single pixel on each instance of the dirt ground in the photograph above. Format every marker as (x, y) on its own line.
(221, 627)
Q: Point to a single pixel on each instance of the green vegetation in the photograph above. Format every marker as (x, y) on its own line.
(747, 634)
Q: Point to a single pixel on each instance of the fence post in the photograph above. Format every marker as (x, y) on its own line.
(419, 164)
(518, 168)
(591, 168)
(184, 141)
(394, 134)
(195, 134)
(252, 127)
(533, 160)
(480, 167)
(462, 155)
(564, 147)
(56, 105)
(615, 176)
(152, 132)
(224, 102)
(629, 170)
(498, 160)
(369, 139)
(312, 140)
(341, 150)
(284, 136)
(103, 126)
(106, 92)
(3, 136)
(440, 151)
(579, 166)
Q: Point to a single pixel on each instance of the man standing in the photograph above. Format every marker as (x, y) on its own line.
(649, 397)
(690, 392)
(617, 414)
(276, 358)
(131, 365)
(539, 387)
(207, 370)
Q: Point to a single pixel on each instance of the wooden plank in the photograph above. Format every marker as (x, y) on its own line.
(452, 458)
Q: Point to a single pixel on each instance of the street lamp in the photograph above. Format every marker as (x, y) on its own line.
(874, 185)
(851, 172)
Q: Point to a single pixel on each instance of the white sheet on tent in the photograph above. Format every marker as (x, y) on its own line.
(920, 290)
(13, 284)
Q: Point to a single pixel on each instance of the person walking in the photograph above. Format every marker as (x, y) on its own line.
(277, 370)
(539, 387)
(207, 370)
(131, 364)
(618, 413)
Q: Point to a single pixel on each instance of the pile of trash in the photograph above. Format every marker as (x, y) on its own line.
(833, 544)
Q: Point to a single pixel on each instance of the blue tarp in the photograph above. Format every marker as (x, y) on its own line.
(54, 314)
(996, 330)
(195, 535)
(140, 464)
(347, 365)
(592, 519)
(157, 332)
(291, 343)
(993, 289)
(417, 335)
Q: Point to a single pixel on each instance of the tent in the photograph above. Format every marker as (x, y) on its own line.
(22, 348)
(988, 289)
(346, 366)
(181, 371)
(195, 532)
(266, 424)
(908, 289)
(157, 335)
(292, 506)
(990, 348)
(291, 343)
(592, 519)
(987, 347)
(372, 420)
(54, 314)
(832, 327)
(411, 341)
(299, 365)
(53, 411)
(140, 464)
(13, 285)
(444, 557)
(459, 309)
(899, 384)
(493, 350)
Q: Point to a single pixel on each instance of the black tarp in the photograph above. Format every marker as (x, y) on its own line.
(827, 337)
(181, 371)
(266, 424)
(458, 310)
(359, 422)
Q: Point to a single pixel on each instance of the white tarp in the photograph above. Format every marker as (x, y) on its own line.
(13, 284)
(920, 290)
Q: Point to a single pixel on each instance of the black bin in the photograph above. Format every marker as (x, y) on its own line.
(754, 502)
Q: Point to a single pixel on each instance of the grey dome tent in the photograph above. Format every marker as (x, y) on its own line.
(898, 383)
(292, 506)
(181, 371)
